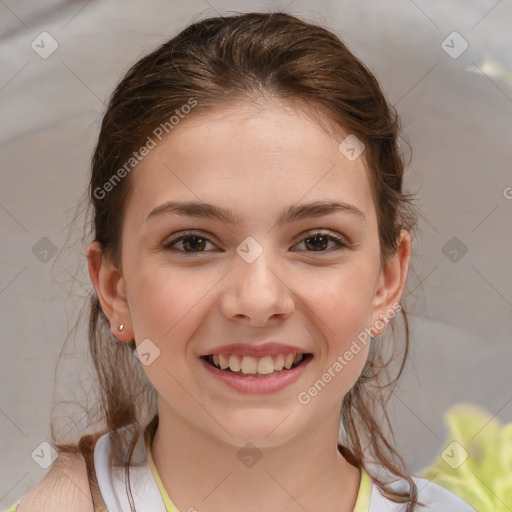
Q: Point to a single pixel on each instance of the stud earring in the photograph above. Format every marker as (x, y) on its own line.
(121, 327)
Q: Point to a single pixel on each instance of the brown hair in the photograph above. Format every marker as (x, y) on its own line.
(217, 61)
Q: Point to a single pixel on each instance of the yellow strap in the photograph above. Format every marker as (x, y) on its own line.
(363, 497)
(169, 505)
(14, 506)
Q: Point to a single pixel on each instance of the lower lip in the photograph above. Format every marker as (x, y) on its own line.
(254, 385)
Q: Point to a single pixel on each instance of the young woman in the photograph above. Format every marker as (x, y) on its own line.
(251, 243)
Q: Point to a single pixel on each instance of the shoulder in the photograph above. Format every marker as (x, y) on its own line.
(65, 487)
(433, 496)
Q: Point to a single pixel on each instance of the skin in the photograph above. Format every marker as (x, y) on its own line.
(256, 161)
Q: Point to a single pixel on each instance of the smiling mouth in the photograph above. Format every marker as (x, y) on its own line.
(266, 366)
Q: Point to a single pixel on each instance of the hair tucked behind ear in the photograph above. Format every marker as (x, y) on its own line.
(253, 57)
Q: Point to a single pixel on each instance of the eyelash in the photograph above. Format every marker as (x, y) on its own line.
(342, 243)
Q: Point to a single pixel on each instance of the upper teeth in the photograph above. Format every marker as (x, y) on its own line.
(252, 365)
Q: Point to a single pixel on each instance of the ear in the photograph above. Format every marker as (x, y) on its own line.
(111, 290)
(390, 285)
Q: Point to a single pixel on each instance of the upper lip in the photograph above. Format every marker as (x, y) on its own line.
(249, 349)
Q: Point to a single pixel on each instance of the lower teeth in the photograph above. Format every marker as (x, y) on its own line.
(256, 374)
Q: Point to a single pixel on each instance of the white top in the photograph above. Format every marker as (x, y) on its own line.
(147, 496)
(113, 484)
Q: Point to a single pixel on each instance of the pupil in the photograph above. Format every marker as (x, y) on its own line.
(322, 239)
(194, 245)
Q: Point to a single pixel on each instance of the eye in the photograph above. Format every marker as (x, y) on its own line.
(321, 239)
(194, 241)
(189, 239)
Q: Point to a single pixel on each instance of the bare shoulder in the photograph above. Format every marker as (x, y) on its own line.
(65, 487)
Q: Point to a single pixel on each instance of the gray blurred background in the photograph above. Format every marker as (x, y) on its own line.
(445, 65)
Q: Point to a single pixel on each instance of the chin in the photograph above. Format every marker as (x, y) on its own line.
(265, 430)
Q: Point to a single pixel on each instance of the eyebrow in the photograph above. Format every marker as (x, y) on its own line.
(225, 215)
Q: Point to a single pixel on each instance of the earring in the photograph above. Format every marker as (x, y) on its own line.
(121, 327)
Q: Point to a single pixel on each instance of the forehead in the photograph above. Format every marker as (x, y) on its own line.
(266, 127)
(244, 153)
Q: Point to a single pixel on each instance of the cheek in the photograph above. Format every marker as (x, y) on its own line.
(165, 313)
(164, 300)
(341, 300)
(155, 310)
(340, 306)
(170, 306)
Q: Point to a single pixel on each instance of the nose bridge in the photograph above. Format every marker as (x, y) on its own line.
(257, 289)
(255, 266)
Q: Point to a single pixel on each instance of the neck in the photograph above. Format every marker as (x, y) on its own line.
(202, 473)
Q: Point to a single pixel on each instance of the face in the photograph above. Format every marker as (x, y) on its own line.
(269, 282)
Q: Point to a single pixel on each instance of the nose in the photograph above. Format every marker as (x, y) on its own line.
(256, 292)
